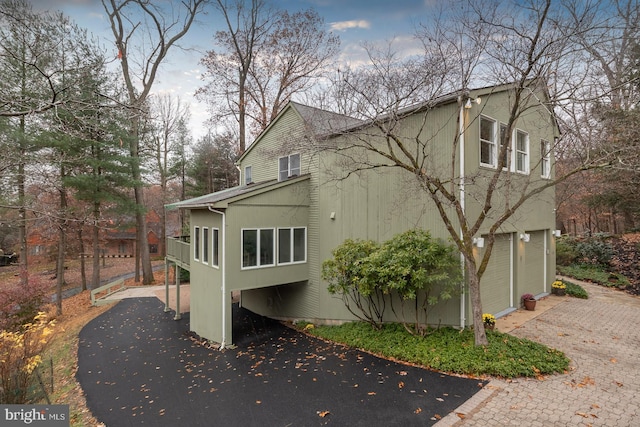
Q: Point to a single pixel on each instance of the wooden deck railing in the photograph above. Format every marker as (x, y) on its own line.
(179, 251)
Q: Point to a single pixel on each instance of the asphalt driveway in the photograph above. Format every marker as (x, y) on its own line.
(137, 366)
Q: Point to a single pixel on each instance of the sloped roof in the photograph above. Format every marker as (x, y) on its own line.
(233, 192)
(321, 122)
(315, 120)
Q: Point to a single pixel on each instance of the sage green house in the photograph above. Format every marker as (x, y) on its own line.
(301, 196)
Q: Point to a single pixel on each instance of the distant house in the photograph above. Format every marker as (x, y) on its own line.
(121, 241)
(268, 237)
(40, 246)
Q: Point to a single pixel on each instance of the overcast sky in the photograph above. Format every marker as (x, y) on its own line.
(355, 21)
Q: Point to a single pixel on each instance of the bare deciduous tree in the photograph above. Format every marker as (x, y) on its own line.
(263, 58)
(143, 34)
(166, 139)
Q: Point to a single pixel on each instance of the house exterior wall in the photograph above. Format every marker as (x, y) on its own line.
(378, 204)
(366, 206)
(532, 264)
(279, 140)
(205, 284)
(286, 206)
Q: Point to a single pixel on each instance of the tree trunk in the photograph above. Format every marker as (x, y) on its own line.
(242, 112)
(142, 244)
(476, 303)
(22, 210)
(83, 272)
(95, 274)
(62, 245)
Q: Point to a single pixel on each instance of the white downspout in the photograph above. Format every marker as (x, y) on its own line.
(512, 301)
(461, 130)
(223, 267)
(545, 256)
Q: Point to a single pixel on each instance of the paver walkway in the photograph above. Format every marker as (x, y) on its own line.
(601, 336)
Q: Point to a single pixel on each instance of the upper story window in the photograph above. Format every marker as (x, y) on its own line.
(488, 144)
(545, 158)
(288, 166)
(506, 162)
(522, 152)
(248, 176)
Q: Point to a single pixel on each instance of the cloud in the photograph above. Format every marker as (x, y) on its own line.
(346, 25)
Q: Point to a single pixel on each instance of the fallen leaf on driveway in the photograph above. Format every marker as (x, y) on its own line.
(323, 414)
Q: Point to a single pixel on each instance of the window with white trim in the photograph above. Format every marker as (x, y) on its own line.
(545, 158)
(205, 245)
(292, 245)
(248, 176)
(215, 251)
(258, 247)
(196, 243)
(488, 143)
(288, 166)
(522, 152)
(507, 152)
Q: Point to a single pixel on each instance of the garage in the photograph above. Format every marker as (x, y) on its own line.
(496, 283)
(533, 262)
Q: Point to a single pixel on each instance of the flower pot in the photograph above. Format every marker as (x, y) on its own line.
(530, 304)
(557, 291)
(489, 327)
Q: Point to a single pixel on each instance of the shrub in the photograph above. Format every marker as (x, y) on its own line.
(412, 265)
(421, 270)
(350, 278)
(576, 291)
(594, 251)
(20, 354)
(566, 253)
(20, 304)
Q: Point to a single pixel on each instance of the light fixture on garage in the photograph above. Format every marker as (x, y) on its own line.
(478, 242)
(471, 101)
(525, 237)
(557, 233)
